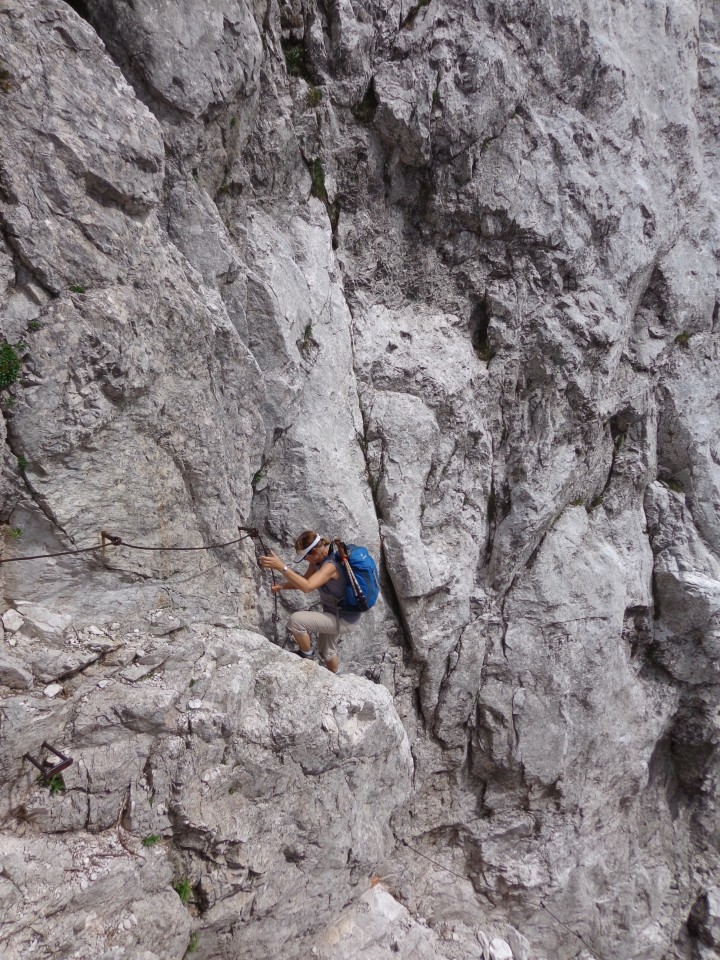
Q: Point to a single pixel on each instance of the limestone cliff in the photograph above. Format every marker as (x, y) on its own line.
(436, 276)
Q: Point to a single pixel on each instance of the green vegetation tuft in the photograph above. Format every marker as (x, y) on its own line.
(296, 59)
(192, 945)
(317, 175)
(34, 325)
(77, 288)
(364, 110)
(674, 485)
(21, 462)
(436, 101)
(151, 839)
(10, 365)
(313, 97)
(56, 784)
(183, 889)
(682, 339)
(15, 533)
(5, 78)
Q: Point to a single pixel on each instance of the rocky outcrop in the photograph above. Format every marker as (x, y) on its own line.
(440, 277)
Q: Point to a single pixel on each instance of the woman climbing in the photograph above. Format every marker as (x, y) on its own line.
(326, 574)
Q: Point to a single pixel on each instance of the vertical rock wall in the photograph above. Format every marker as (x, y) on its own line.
(440, 277)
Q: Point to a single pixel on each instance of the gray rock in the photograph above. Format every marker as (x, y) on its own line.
(13, 674)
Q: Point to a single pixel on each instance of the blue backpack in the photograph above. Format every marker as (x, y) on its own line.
(363, 586)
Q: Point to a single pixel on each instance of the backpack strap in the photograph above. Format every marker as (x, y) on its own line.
(356, 588)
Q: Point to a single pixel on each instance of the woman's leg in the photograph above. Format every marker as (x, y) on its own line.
(328, 651)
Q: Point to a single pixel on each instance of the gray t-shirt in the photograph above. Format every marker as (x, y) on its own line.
(333, 593)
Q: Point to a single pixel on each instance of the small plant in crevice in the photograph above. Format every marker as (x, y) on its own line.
(479, 326)
(307, 342)
(10, 364)
(296, 59)
(15, 533)
(22, 462)
(595, 503)
(5, 78)
(313, 98)
(683, 339)
(55, 784)
(674, 485)
(317, 177)
(193, 942)
(233, 121)
(578, 502)
(183, 889)
(151, 839)
(34, 326)
(364, 110)
(436, 100)
(78, 288)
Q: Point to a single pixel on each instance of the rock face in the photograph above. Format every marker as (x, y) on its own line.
(440, 277)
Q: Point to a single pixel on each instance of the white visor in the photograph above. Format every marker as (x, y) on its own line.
(303, 553)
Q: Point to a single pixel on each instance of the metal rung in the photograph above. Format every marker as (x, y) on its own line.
(46, 768)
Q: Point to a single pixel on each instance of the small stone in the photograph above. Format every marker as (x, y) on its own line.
(52, 689)
(95, 631)
(84, 884)
(103, 683)
(194, 704)
(456, 937)
(12, 620)
(93, 876)
(500, 950)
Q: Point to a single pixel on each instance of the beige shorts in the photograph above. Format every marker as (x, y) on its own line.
(325, 625)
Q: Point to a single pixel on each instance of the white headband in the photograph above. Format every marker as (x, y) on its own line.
(301, 556)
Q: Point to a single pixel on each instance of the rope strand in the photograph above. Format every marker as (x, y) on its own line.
(442, 866)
